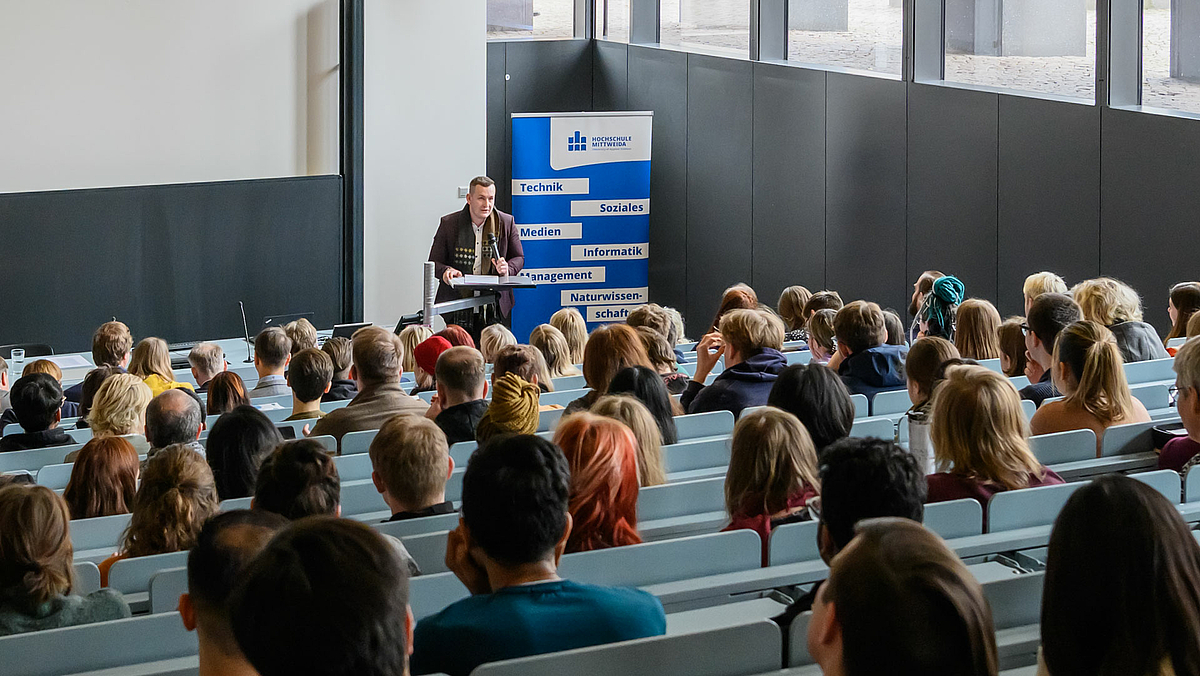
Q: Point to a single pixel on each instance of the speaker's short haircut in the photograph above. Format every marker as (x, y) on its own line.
(298, 479)
(461, 369)
(35, 399)
(272, 346)
(482, 181)
(309, 373)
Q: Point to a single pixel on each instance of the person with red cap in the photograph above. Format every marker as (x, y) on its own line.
(426, 356)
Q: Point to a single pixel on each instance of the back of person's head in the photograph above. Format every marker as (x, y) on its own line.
(298, 479)
(820, 330)
(868, 479)
(977, 333)
(272, 347)
(492, 338)
(610, 349)
(661, 354)
(325, 596)
(654, 316)
(513, 409)
(43, 366)
(410, 337)
(151, 358)
(1185, 298)
(237, 444)
(823, 300)
(893, 328)
(412, 459)
(457, 336)
(91, 385)
(208, 359)
(737, 297)
(905, 605)
(120, 405)
(36, 399)
(570, 322)
(176, 496)
(1122, 589)
(676, 322)
(940, 308)
(1096, 369)
(1043, 282)
(338, 349)
(226, 391)
(35, 546)
(818, 398)
(925, 358)
(773, 460)
(173, 417)
(1049, 314)
(1012, 345)
(751, 331)
(302, 334)
(791, 306)
(554, 348)
(515, 499)
(461, 370)
(646, 386)
(602, 456)
(378, 355)
(309, 374)
(111, 343)
(859, 326)
(1107, 301)
(980, 430)
(924, 286)
(103, 479)
(634, 415)
(520, 360)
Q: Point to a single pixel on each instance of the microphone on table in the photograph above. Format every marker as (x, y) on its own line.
(246, 332)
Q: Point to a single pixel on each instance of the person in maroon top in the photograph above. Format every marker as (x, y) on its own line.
(1181, 451)
(772, 473)
(981, 438)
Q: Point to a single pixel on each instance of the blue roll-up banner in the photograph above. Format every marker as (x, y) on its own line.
(581, 200)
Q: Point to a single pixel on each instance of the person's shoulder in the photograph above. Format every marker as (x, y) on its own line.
(620, 599)
(506, 219)
(943, 486)
(104, 604)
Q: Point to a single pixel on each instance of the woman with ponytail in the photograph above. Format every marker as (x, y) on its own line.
(1088, 370)
(939, 310)
(602, 456)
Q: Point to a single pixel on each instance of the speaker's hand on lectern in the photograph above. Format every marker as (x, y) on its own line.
(501, 267)
(450, 274)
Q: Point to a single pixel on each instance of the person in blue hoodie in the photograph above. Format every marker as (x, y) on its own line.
(750, 341)
(868, 365)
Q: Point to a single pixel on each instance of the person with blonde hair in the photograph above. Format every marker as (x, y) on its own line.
(411, 336)
(601, 454)
(574, 329)
(1088, 370)
(1012, 347)
(494, 337)
(1115, 305)
(609, 350)
(980, 439)
(554, 348)
(791, 311)
(750, 341)
(36, 567)
(302, 333)
(152, 363)
(772, 473)
(119, 410)
(822, 341)
(634, 415)
(1039, 283)
(103, 479)
(978, 332)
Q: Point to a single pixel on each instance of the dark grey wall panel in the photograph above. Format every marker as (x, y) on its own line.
(1149, 204)
(952, 185)
(658, 81)
(170, 261)
(499, 165)
(865, 195)
(610, 76)
(789, 179)
(719, 182)
(1049, 187)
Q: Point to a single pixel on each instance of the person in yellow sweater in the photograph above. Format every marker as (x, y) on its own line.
(152, 363)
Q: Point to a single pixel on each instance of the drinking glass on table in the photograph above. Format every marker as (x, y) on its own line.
(18, 355)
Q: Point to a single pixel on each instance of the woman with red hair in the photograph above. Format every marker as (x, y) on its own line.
(457, 336)
(602, 455)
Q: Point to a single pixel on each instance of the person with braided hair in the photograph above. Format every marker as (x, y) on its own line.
(514, 409)
(939, 309)
(602, 456)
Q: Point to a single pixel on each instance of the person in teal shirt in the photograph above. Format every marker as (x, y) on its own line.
(511, 535)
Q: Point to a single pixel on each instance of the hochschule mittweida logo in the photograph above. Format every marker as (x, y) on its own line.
(576, 142)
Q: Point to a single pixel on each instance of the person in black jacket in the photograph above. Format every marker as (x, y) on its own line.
(868, 365)
(461, 387)
(37, 400)
(342, 386)
(750, 341)
(1049, 314)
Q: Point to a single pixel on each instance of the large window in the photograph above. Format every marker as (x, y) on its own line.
(861, 34)
(612, 20)
(531, 18)
(707, 25)
(1171, 55)
(1044, 46)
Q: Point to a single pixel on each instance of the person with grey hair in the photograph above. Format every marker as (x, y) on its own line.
(174, 417)
(207, 360)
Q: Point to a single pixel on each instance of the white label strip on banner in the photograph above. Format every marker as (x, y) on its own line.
(550, 186)
(610, 252)
(604, 296)
(565, 275)
(582, 141)
(610, 208)
(609, 313)
(551, 231)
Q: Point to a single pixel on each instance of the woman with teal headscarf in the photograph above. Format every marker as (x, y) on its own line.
(937, 314)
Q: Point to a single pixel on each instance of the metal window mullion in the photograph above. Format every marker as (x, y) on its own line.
(1119, 52)
(924, 40)
(585, 22)
(645, 22)
(768, 30)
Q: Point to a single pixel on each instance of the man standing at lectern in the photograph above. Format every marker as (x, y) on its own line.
(461, 246)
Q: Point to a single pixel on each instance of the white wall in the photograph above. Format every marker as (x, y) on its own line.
(126, 92)
(425, 132)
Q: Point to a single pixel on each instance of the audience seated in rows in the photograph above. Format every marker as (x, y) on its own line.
(939, 310)
(609, 349)
(426, 357)
(237, 444)
(174, 417)
(750, 341)
(822, 341)
(740, 296)
(659, 319)
(555, 350)
(342, 386)
(1122, 587)
(633, 414)
(791, 310)
(302, 334)
(226, 391)
(1113, 304)
(922, 367)
(410, 337)
(1182, 453)
(977, 330)
(866, 364)
(119, 409)
(461, 388)
(176, 496)
(111, 345)
(1039, 283)
(514, 528)
(152, 363)
(309, 377)
(492, 338)
(378, 355)
(103, 479)
(1011, 339)
(1047, 316)
(457, 336)
(411, 464)
(206, 360)
(514, 409)
(37, 401)
(662, 358)
(272, 352)
(921, 288)
(226, 545)
(1089, 371)
(772, 473)
(36, 573)
(571, 324)
(1182, 304)
(980, 439)
(643, 384)
(818, 399)
(601, 455)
